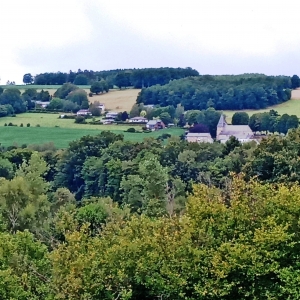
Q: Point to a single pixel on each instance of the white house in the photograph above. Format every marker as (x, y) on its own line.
(102, 107)
(84, 112)
(138, 120)
(42, 104)
(111, 115)
(199, 138)
(242, 132)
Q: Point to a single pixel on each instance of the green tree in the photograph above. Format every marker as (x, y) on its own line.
(99, 87)
(122, 80)
(65, 90)
(6, 168)
(23, 200)
(25, 269)
(13, 98)
(295, 81)
(166, 118)
(240, 118)
(95, 110)
(135, 111)
(81, 79)
(56, 103)
(28, 78)
(231, 144)
(78, 96)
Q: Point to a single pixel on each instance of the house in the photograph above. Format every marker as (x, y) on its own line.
(84, 112)
(242, 132)
(42, 104)
(101, 106)
(199, 138)
(111, 115)
(155, 125)
(138, 120)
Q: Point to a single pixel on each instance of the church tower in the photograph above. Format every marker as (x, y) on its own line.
(221, 125)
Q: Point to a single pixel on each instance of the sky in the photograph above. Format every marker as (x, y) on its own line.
(211, 36)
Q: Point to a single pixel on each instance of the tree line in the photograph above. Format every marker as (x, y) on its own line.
(228, 92)
(111, 219)
(136, 78)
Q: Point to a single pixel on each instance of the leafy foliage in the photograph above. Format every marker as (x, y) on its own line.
(248, 91)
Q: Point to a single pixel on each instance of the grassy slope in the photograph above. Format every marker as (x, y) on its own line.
(62, 136)
(291, 107)
(117, 100)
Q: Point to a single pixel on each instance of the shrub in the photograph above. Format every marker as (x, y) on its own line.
(10, 124)
(37, 125)
(28, 125)
(80, 120)
(90, 94)
(5, 124)
(21, 125)
(130, 129)
(166, 135)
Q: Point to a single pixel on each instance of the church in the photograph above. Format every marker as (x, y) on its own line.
(224, 131)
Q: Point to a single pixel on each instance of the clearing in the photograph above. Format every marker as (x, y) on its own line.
(117, 100)
(291, 107)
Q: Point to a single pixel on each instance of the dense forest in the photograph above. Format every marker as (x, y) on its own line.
(111, 219)
(232, 92)
(136, 78)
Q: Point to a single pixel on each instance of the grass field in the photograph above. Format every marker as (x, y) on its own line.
(52, 120)
(65, 133)
(61, 137)
(117, 100)
(291, 107)
(39, 87)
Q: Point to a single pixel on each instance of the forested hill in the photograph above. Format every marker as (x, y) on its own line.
(247, 91)
(137, 78)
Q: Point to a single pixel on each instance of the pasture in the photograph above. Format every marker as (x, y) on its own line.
(52, 120)
(61, 137)
(62, 131)
(291, 107)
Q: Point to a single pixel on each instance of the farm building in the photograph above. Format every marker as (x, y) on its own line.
(111, 115)
(242, 132)
(198, 137)
(138, 120)
(84, 112)
(101, 106)
(155, 125)
(42, 104)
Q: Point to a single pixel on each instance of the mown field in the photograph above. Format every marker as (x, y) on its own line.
(62, 131)
(61, 137)
(291, 107)
(117, 100)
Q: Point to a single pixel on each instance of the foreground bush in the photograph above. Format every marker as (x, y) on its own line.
(238, 244)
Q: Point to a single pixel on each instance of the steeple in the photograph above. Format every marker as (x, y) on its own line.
(221, 125)
(222, 122)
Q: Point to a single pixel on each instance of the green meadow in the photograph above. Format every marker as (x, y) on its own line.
(62, 131)
(291, 107)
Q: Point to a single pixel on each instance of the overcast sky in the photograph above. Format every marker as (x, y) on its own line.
(212, 36)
